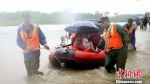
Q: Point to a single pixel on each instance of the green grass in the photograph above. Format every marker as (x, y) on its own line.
(16, 23)
(42, 22)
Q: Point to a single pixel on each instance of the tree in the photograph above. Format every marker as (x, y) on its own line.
(98, 14)
(116, 15)
(106, 13)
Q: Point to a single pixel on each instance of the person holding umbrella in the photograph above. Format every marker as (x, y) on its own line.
(114, 42)
(29, 38)
(81, 27)
(71, 36)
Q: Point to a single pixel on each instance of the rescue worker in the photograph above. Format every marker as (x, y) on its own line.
(130, 27)
(114, 42)
(29, 38)
(145, 22)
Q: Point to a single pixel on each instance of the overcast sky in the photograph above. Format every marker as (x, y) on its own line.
(75, 6)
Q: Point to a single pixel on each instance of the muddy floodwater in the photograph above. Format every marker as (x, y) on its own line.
(12, 68)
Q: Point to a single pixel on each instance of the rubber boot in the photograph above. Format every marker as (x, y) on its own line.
(36, 67)
(28, 67)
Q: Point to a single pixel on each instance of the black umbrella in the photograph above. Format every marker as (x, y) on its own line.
(86, 27)
(100, 28)
(136, 19)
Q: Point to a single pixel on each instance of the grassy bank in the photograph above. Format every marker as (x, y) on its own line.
(18, 22)
(64, 17)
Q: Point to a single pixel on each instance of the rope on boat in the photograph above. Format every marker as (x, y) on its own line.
(61, 64)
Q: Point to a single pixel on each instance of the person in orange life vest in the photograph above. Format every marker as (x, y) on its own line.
(29, 38)
(95, 38)
(77, 43)
(71, 36)
(114, 42)
(130, 27)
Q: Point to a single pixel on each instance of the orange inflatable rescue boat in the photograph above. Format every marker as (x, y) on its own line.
(72, 58)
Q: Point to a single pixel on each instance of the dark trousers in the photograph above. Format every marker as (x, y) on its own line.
(117, 57)
(133, 42)
(109, 62)
(141, 26)
(32, 67)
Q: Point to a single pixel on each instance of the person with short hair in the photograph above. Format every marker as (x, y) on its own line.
(114, 42)
(29, 38)
(130, 27)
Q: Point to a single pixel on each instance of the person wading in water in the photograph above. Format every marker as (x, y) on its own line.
(29, 38)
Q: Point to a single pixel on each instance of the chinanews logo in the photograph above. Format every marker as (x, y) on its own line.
(130, 74)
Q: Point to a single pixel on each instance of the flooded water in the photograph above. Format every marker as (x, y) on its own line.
(12, 68)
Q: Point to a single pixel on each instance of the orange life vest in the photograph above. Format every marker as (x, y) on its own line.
(76, 47)
(32, 40)
(114, 41)
(130, 29)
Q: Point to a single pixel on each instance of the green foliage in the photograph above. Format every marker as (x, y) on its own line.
(8, 19)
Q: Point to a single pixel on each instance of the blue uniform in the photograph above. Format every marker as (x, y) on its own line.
(21, 44)
(132, 36)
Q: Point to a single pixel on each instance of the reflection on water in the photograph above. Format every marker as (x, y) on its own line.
(13, 70)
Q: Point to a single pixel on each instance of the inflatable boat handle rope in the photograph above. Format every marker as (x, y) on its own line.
(61, 64)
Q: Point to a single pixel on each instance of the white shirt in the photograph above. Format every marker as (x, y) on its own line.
(85, 43)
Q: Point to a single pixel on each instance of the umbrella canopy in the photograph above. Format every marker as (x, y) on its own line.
(86, 27)
(140, 17)
(136, 19)
(100, 28)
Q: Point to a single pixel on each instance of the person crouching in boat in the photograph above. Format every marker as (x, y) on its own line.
(130, 27)
(87, 43)
(95, 38)
(114, 42)
(77, 44)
